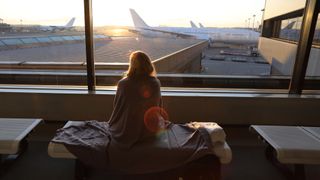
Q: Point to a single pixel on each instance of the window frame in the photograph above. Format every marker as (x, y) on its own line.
(312, 7)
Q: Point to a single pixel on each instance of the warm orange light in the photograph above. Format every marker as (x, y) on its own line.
(118, 32)
(145, 91)
(155, 119)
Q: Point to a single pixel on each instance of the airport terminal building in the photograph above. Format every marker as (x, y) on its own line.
(281, 34)
(53, 78)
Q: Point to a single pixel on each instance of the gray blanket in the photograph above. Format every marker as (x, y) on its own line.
(87, 141)
(131, 141)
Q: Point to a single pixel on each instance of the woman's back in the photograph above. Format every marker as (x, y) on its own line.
(135, 95)
(132, 138)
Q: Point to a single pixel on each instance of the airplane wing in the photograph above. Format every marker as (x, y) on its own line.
(182, 35)
(176, 34)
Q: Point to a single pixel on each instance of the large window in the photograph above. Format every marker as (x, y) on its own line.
(42, 41)
(313, 70)
(225, 44)
(191, 46)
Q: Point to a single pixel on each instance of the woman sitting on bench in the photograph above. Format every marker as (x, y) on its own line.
(140, 139)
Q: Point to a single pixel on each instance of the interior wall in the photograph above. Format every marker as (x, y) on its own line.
(226, 109)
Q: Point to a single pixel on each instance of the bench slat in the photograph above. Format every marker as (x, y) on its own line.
(293, 144)
(12, 131)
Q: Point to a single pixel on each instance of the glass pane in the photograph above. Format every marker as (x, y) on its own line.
(12, 41)
(44, 39)
(39, 43)
(313, 70)
(77, 37)
(1, 43)
(281, 33)
(29, 40)
(290, 29)
(316, 39)
(68, 38)
(192, 40)
(56, 38)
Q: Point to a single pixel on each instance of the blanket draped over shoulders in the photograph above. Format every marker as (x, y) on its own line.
(136, 139)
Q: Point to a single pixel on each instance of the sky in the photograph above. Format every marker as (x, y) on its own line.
(178, 13)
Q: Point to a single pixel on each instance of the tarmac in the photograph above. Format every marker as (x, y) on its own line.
(215, 62)
(117, 50)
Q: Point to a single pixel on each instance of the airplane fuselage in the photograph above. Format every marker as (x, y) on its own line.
(225, 35)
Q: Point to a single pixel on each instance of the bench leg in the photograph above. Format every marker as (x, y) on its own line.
(206, 168)
(299, 173)
(23, 145)
(269, 153)
(7, 160)
(80, 171)
(1, 164)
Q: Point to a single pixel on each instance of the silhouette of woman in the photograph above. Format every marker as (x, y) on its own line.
(142, 140)
(138, 138)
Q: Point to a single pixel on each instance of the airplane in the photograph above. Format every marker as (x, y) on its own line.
(200, 25)
(289, 32)
(68, 26)
(213, 35)
(193, 25)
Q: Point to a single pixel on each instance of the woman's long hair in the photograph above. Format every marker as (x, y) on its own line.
(140, 65)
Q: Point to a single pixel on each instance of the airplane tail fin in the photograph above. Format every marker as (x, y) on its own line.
(201, 26)
(193, 25)
(71, 22)
(137, 20)
(290, 25)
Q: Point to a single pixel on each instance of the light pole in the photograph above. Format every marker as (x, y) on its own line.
(249, 23)
(254, 16)
(262, 18)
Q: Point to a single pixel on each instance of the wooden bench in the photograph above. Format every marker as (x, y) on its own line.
(13, 134)
(209, 166)
(295, 145)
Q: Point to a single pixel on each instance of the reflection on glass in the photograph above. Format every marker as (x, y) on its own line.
(316, 39)
(44, 39)
(290, 29)
(12, 41)
(56, 38)
(313, 69)
(29, 40)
